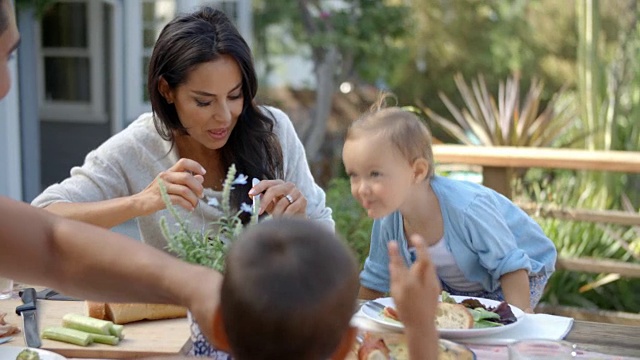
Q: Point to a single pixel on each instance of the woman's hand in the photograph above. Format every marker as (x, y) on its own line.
(183, 182)
(280, 198)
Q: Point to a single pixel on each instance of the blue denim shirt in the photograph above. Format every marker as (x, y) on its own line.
(487, 234)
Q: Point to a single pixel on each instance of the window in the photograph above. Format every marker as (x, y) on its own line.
(71, 62)
(144, 20)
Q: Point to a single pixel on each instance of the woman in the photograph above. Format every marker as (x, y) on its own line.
(41, 249)
(202, 85)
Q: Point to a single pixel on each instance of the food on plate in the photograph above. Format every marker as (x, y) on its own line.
(124, 313)
(453, 316)
(83, 330)
(28, 354)
(398, 350)
(7, 329)
(390, 313)
(469, 313)
(373, 348)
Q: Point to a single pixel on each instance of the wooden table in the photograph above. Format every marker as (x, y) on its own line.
(613, 341)
(142, 339)
(168, 336)
(606, 338)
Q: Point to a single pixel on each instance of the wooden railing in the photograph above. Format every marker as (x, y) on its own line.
(498, 161)
(498, 164)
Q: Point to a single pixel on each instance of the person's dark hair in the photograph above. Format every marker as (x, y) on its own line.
(200, 37)
(4, 17)
(289, 291)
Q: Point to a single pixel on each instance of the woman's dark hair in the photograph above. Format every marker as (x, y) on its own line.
(4, 18)
(200, 37)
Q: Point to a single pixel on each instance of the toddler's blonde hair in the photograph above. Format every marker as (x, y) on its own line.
(403, 128)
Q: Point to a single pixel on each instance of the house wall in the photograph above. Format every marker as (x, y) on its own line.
(10, 169)
(52, 145)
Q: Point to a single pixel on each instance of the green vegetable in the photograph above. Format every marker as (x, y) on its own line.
(28, 354)
(105, 339)
(480, 324)
(87, 324)
(67, 335)
(116, 330)
(481, 314)
(446, 298)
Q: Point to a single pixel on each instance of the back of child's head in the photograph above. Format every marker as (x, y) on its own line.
(289, 291)
(402, 128)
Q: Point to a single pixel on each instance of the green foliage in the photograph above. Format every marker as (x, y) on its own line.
(40, 6)
(205, 247)
(352, 222)
(568, 189)
(367, 33)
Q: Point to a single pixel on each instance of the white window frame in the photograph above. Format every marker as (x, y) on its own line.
(10, 144)
(134, 50)
(94, 111)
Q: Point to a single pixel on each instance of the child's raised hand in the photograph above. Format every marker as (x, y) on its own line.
(414, 290)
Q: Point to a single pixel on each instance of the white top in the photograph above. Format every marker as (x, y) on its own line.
(129, 161)
(448, 270)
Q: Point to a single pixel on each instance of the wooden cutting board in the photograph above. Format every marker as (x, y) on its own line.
(144, 338)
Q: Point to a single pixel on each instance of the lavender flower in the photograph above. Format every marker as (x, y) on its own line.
(240, 180)
(246, 208)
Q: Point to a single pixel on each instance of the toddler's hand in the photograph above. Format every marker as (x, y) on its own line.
(414, 290)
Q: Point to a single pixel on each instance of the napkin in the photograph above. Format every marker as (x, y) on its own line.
(532, 326)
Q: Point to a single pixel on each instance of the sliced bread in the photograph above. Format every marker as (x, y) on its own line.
(453, 316)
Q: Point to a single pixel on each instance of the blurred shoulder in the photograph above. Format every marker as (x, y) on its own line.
(280, 118)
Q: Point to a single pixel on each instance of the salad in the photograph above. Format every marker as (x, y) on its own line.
(484, 316)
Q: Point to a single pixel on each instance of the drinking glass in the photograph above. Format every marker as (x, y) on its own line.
(542, 349)
(6, 288)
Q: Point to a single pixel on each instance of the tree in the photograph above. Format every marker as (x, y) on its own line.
(356, 40)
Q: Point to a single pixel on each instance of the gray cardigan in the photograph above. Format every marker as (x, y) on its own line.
(128, 162)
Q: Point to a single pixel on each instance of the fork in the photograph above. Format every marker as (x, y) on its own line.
(374, 305)
(6, 339)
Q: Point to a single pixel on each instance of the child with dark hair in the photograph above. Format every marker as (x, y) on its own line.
(482, 244)
(290, 290)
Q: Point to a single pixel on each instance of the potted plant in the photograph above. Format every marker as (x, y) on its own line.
(207, 246)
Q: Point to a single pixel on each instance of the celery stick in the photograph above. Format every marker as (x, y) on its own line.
(116, 330)
(105, 339)
(67, 335)
(86, 324)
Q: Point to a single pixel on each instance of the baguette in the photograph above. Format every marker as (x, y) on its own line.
(453, 317)
(124, 313)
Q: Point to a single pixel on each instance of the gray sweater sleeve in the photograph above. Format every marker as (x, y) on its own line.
(121, 166)
(296, 169)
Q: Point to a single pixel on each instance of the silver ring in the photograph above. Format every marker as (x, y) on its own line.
(288, 196)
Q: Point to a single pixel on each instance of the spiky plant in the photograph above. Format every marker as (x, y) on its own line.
(207, 246)
(504, 120)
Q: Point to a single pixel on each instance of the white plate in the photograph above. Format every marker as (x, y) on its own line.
(451, 334)
(11, 352)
